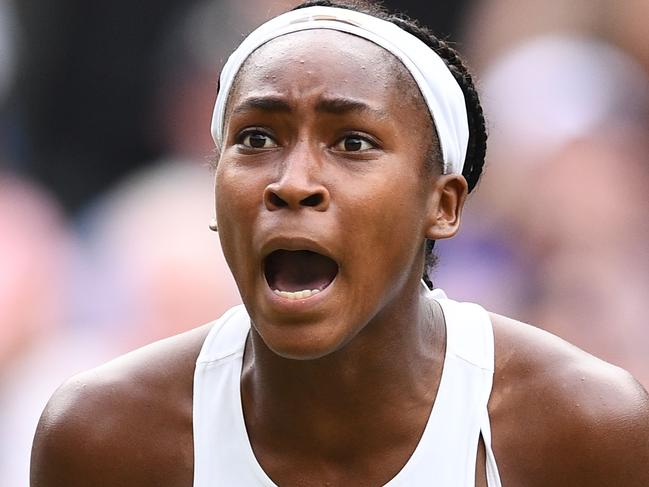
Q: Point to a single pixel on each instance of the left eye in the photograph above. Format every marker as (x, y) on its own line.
(257, 140)
(353, 144)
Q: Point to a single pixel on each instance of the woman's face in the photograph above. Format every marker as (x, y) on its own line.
(321, 186)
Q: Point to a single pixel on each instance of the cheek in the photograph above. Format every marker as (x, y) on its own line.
(238, 197)
(387, 221)
(239, 193)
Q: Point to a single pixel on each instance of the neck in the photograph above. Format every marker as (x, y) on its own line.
(347, 400)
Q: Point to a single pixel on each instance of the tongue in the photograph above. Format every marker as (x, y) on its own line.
(299, 270)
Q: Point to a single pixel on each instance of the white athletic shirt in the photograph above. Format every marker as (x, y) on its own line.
(446, 453)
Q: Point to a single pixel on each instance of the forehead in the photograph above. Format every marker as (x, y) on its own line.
(327, 62)
(319, 45)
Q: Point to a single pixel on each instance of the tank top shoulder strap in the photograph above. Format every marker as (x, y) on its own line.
(470, 337)
(469, 333)
(226, 337)
(222, 452)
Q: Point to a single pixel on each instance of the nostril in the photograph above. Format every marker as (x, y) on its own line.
(312, 200)
(277, 196)
(276, 200)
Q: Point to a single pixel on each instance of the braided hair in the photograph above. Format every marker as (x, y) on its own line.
(477, 146)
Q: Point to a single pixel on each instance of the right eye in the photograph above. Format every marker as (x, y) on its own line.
(255, 139)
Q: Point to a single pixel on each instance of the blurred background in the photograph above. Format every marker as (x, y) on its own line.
(105, 194)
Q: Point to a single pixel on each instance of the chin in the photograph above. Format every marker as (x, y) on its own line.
(303, 341)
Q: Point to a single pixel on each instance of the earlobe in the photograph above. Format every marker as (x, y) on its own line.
(445, 206)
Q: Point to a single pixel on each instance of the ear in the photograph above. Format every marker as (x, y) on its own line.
(445, 205)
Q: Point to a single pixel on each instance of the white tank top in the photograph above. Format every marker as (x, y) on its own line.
(446, 453)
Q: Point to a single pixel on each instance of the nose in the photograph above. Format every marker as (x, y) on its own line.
(297, 188)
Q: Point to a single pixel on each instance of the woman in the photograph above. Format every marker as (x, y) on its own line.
(347, 143)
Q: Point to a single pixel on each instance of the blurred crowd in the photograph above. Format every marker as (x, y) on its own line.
(106, 194)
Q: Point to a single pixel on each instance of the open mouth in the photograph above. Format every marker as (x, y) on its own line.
(298, 274)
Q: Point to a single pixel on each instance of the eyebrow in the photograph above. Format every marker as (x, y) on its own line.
(263, 103)
(340, 106)
(335, 105)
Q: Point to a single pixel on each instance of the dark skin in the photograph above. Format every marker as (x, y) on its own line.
(302, 167)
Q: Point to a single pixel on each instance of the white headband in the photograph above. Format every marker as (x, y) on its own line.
(436, 83)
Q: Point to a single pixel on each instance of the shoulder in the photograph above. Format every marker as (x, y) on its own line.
(561, 416)
(123, 423)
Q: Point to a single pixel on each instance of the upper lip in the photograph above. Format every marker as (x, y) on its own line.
(294, 242)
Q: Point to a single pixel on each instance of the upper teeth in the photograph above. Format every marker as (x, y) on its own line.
(307, 293)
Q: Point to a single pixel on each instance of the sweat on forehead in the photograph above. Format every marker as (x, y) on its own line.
(295, 45)
(318, 50)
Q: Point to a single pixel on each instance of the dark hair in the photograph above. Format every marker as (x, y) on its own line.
(477, 146)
